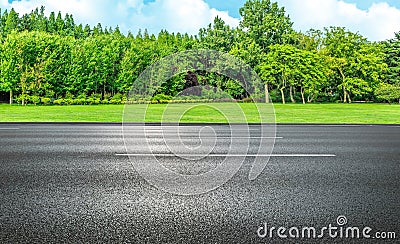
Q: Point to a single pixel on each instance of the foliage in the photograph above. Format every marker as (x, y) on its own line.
(388, 92)
(52, 60)
(357, 65)
(392, 51)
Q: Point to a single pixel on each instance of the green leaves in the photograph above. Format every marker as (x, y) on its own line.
(53, 58)
(217, 36)
(388, 92)
(357, 65)
(266, 23)
(392, 59)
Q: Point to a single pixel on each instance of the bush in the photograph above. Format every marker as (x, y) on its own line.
(248, 100)
(22, 98)
(34, 99)
(45, 101)
(59, 101)
(94, 99)
(161, 98)
(389, 93)
(81, 101)
(117, 99)
(68, 101)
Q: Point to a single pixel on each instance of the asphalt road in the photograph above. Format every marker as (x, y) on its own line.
(73, 183)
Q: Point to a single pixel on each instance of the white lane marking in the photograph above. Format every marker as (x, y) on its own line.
(349, 125)
(70, 131)
(9, 128)
(218, 137)
(170, 129)
(226, 155)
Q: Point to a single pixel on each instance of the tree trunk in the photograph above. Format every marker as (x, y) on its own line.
(348, 97)
(267, 99)
(291, 94)
(302, 95)
(283, 95)
(103, 93)
(344, 87)
(11, 97)
(310, 99)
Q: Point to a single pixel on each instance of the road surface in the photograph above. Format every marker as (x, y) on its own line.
(74, 183)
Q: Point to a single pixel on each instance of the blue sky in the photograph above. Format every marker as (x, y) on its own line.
(375, 19)
(233, 5)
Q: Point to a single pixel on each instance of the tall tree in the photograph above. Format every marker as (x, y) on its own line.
(357, 64)
(266, 23)
(69, 25)
(280, 66)
(52, 25)
(60, 25)
(392, 51)
(41, 20)
(12, 22)
(9, 73)
(217, 36)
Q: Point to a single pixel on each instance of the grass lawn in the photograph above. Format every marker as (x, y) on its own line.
(215, 112)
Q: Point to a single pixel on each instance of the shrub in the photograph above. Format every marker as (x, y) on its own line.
(94, 99)
(23, 97)
(34, 99)
(45, 101)
(59, 101)
(69, 101)
(160, 98)
(389, 93)
(117, 99)
(248, 100)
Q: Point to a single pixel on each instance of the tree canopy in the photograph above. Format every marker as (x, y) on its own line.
(53, 60)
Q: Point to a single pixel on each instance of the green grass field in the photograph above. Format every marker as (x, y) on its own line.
(215, 112)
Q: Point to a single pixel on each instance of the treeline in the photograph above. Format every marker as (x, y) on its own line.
(52, 60)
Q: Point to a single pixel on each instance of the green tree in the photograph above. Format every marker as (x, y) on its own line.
(40, 20)
(9, 73)
(52, 25)
(25, 23)
(311, 75)
(69, 25)
(266, 23)
(217, 36)
(12, 22)
(357, 64)
(60, 25)
(392, 51)
(279, 67)
(312, 40)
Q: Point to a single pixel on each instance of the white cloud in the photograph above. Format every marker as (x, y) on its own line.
(177, 16)
(224, 15)
(173, 15)
(378, 23)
